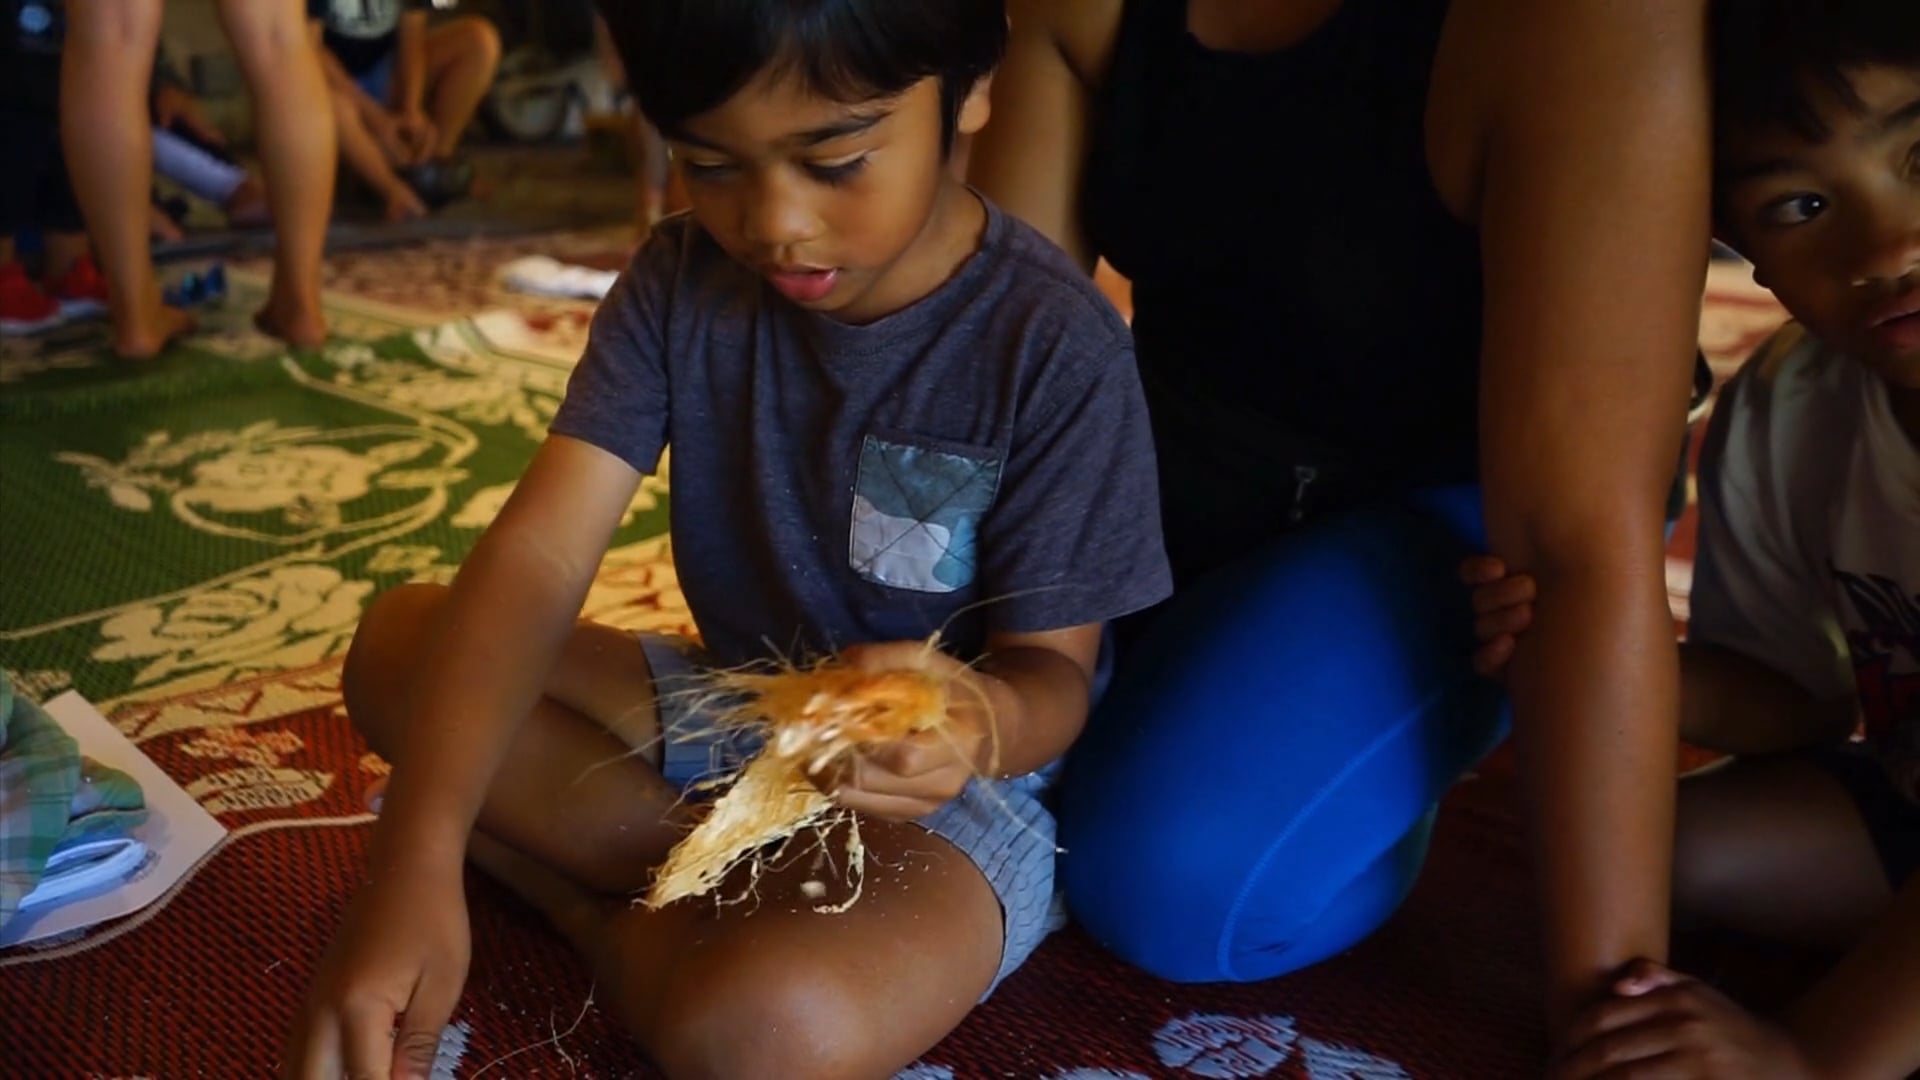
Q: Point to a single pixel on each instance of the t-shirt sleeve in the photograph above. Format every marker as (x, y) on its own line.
(617, 397)
(1075, 535)
(1756, 590)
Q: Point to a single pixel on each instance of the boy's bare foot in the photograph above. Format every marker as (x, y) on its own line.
(299, 323)
(403, 204)
(142, 335)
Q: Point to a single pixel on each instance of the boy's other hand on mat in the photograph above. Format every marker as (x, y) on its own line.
(1661, 1023)
(389, 983)
(912, 777)
(1502, 609)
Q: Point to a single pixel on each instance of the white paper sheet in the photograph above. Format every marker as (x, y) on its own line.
(177, 832)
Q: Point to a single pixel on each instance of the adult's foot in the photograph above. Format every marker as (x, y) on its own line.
(142, 333)
(298, 322)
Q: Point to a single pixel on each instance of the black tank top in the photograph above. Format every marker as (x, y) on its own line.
(1306, 310)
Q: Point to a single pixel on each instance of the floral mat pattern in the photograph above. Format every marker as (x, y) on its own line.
(190, 544)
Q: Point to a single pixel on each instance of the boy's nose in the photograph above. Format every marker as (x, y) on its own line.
(1890, 250)
(777, 216)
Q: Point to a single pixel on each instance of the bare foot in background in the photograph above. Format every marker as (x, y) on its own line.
(298, 322)
(143, 334)
(403, 205)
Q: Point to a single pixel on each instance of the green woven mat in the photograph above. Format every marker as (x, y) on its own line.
(228, 510)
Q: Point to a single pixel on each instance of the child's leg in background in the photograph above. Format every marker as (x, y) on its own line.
(578, 820)
(1256, 791)
(297, 152)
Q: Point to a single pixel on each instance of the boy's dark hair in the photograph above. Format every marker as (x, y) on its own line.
(684, 57)
(1774, 60)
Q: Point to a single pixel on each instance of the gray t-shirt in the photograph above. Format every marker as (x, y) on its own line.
(978, 461)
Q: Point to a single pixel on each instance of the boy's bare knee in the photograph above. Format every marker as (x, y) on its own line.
(754, 1019)
(384, 653)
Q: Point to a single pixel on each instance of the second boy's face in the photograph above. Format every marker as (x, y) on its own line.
(837, 206)
(1834, 228)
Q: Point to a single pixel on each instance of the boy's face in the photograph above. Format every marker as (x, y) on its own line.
(837, 206)
(1833, 228)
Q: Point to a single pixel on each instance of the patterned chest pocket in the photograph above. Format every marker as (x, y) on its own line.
(917, 513)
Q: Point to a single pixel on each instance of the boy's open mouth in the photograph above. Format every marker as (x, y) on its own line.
(1895, 324)
(802, 285)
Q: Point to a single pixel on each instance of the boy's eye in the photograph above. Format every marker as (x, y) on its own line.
(1794, 209)
(703, 169)
(838, 170)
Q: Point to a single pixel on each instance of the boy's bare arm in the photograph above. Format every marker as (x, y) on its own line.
(1735, 704)
(1019, 709)
(1039, 687)
(511, 608)
(1859, 1022)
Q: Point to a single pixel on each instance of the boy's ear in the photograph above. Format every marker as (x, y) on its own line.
(976, 107)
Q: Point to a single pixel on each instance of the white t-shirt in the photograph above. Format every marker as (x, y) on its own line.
(1809, 555)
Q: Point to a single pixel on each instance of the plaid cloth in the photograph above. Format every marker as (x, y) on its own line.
(50, 796)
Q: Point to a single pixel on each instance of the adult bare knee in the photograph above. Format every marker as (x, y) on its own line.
(479, 42)
(264, 30)
(384, 655)
(757, 1019)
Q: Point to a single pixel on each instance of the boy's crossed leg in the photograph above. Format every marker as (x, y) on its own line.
(577, 820)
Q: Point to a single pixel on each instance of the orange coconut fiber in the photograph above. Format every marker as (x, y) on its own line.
(812, 718)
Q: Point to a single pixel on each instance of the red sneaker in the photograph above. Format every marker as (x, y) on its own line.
(24, 307)
(81, 291)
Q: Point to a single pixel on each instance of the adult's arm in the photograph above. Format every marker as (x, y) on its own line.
(1031, 157)
(1594, 219)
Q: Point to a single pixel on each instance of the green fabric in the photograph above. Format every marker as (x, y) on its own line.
(51, 796)
(229, 509)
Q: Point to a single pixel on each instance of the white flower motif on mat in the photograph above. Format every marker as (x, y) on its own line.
(1226, 1047)
(229, 482)
(309, 482)
(350, 355)
(482, 507)
(453, 1048)
(403, 559)
(478, 399)
(637, 589)
(305, 609)
(646, 498)
(238, 744)
(18, 364)
(923, 1071)
(258, 787)
(41, 684)
(1331, 1061)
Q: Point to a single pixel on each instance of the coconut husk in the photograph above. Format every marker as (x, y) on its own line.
(811, 718)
